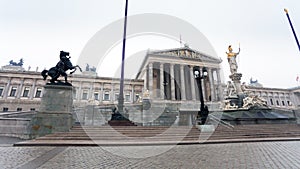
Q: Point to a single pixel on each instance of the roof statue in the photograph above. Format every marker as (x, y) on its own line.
(253, 81)
(12, 63)
(91, 69)
(60, 69)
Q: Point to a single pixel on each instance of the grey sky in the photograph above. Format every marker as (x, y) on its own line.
(36, 30)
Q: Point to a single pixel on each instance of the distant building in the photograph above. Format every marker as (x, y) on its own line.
(277, 97)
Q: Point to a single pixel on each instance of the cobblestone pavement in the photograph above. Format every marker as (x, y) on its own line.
(234, 155)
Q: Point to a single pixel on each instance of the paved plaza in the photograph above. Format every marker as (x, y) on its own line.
(231, 155)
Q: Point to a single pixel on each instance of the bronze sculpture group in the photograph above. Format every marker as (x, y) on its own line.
(12, 63)
(60, 69)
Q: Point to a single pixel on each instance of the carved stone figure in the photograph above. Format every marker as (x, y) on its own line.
(230, 89)
(254, 100)
(60, 69)
(91, 69)
(87, 68)
(231, 56)
(11, 62)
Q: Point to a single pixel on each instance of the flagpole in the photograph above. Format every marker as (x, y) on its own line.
(121, 94)
(287, 14)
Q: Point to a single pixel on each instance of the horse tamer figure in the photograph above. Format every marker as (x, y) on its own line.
(60, 69)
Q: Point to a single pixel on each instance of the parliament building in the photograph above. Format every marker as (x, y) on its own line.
(166, 77)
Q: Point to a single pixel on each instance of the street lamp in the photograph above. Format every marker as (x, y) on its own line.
(198, 74)
(121, 94)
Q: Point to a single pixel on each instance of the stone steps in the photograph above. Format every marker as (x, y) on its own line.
(118, 135)
(138, 131)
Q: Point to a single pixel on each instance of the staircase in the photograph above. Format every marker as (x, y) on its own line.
(256, 131)
(151, 135)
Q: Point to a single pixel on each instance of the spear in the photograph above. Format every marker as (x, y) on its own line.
(287, 14)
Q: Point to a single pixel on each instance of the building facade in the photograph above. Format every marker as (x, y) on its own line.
(276, 97)
(23, 90)
(165, 77)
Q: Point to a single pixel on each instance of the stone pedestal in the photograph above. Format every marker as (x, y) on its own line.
(55, 114)
(237, 99)
(236, 78)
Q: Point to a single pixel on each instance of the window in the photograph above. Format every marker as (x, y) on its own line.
(96, 96)
(1, 90)
(84, 95)
(13, 92)
(289, 103)
(26, 92)
(32, 109)
(5, 109)
(271, 100)
(283, 103)
(277, 102)
(106, 96)
(117, 96)
(19, 109)
(127, 97)
(38, 92)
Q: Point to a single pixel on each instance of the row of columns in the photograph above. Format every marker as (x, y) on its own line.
(149, 82)
(272, 95)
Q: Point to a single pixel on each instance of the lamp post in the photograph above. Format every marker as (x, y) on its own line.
(121, 94)
(198, 74)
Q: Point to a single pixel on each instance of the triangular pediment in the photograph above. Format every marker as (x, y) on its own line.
(187, 53)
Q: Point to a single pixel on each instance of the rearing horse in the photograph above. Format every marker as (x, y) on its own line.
(60, 69)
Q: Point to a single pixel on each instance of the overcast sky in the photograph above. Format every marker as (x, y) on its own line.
(36, 30)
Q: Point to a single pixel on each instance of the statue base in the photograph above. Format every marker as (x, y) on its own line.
(258, 115)
(55, 114)
(236, 79)
(235, 102)
(117, 119)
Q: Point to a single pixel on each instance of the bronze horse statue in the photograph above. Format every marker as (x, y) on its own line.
(60, 69)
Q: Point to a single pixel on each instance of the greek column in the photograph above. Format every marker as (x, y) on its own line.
(132, 94)
(79, 92)
(161, 73)
(5, 93)
(20, 89)
(183, 94)
(193, 89)
(112, 97)
(91, 92)
(150, 79)
(220, 94)
(172, 81)
(204, 90)
(211, 82)
(32, 89)
(101, 95)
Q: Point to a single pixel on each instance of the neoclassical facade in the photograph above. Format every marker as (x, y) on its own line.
(276, 97)
(22, 90)
(166, 75)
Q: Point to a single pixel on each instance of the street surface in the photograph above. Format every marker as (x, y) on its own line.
(232, 155)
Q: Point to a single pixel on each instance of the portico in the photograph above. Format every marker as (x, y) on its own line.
(169, 78)
(169, 75)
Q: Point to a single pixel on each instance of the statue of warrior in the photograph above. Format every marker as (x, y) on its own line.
(231, 56)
